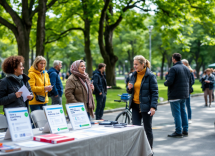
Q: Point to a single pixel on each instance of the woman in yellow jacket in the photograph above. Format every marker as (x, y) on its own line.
(40, 83)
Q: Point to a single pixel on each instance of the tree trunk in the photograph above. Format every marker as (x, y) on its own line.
(32, 56)
(41, 28)
(110, 59)
(162, 65)
(169, 61)
(48, 61)
(23, 45)
(87, 50)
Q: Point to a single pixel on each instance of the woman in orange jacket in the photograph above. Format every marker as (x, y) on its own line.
(40, 84)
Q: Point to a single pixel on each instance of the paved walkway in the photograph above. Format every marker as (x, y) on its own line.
(201, 140)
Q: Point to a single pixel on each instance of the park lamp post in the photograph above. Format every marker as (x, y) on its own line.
(150, 49)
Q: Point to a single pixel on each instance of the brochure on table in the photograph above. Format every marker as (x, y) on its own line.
(19, 124)
(56, 118)
(78, 116)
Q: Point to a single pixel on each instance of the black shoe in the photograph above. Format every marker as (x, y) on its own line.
(175, 135)
(206, 105)
(185, 134)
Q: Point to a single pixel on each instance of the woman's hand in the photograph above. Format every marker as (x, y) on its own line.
(130, 86)
(30, 97)
(152, 110)
(48, 88)
(92, 86)
(18, 94)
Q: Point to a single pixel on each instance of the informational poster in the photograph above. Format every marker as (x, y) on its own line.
(19, 123)
(78, 116)
(56, 118)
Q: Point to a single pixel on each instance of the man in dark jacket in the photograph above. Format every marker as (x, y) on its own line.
(178, 82)
(57, 91)
(100, 84)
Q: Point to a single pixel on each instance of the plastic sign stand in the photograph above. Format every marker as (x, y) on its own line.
(56, 119)
(78, 116)
(46, 128)
(19, 124)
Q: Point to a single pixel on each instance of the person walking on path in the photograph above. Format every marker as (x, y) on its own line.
(40, 83)
(143, 88)
(100, 84)
(9, 86)
(57, 91)
(207, 86)
(178, 82)
(189, 111)
(78, 87)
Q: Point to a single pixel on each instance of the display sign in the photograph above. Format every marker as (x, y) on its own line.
(78, 116)
(19, 124)
(56, 118)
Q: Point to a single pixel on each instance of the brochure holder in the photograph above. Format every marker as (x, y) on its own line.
(56, 119)
(19, 125)
(78, 116)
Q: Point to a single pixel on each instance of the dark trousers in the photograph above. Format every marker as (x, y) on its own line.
(101, 99)
(147, 121)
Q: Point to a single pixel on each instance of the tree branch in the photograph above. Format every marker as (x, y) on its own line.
(16, 19)
(10, 26)
(47, 7)
(31, 6)
(101, 27)
(113, 26)
(25, 12)
(63, 34)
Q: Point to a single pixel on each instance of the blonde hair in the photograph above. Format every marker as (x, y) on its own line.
(37, 60)
(142, 60)
(187, 64)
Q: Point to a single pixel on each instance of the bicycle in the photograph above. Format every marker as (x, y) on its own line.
(126, 115)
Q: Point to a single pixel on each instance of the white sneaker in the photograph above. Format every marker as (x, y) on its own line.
(190, 121)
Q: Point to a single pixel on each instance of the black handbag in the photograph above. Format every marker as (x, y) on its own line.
(41, 98)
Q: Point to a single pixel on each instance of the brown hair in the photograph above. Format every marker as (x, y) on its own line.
(142, 60)
(12, 63)
(101, 65)
(177, 56)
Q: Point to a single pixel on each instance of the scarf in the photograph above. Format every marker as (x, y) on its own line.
(18, 78)
(83, 78)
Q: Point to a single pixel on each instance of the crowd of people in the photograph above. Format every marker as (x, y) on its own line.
(141, 84)
(42, 85)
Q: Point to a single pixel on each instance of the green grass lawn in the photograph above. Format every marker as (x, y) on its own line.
(113, 94)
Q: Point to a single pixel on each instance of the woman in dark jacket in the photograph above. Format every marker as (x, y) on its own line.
(9, 86)
(144, 89)
(189, 111)
(207, 86)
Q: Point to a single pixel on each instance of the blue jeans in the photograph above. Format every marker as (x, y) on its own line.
(180, 115)
(189, 111)
(37, 107)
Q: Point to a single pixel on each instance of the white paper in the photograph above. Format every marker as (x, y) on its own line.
(78, 116)
(56, 118)
(25, 92)
(2, 135)
(31, 144)
(19, 124)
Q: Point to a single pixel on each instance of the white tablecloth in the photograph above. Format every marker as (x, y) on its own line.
(129, 141)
